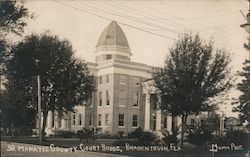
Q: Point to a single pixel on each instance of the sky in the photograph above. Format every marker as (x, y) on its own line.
(151, 26)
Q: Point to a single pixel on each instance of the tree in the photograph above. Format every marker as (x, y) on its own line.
(244, 99)
(193, 73)
(65, 80)
(13, 19)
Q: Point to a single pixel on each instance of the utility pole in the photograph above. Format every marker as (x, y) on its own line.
(39, 108)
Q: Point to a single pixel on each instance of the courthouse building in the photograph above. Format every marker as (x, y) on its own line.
(121, 101)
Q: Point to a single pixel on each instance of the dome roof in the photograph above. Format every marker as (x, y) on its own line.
(113, 35)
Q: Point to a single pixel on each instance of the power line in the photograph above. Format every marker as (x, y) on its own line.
(214, 16)
(94, 14)
(133, 19)
(160, 19)
(154, 18)
(221, 26)
(131, 26)
(193, 22)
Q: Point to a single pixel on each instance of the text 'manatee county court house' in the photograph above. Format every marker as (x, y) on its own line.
(123, 98)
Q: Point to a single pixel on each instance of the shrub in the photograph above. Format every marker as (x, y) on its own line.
(171, 137)
(136, 133)
(200, 135)
(147, 138)
(64, 133)
(107, 135)
(86, 134)
(232, 136)
(144, 138)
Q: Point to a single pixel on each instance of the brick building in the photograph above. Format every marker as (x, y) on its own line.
(121, 101)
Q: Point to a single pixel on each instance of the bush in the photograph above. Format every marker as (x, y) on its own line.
(171, 137)
(64, 133)
(147, 138)
(107, 135)
(200, 135)
(144, 138)
(136, 133)
(232, 136)
(86, 134)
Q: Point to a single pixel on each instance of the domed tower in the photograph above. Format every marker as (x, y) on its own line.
(112, 44)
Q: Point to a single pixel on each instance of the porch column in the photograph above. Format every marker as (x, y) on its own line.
(64, 123)
(56, 121)
(178, 122)
(169, 123)
(147, 113)
(158, 120)
(50, 120)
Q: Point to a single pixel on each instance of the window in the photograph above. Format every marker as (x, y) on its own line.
(108, 56)
(153, 100)
(192, 121)
(135, 121)
(122, 94)
(100, 98)
(74, 119)
(107, 119)
(99, 120)
(122, 97)
(165, 122)
(136, 99)
(107, 98)
(107, 78)
(59, 122)
(100, 80)
(136, 81)
(123, 79)
(154, 122)
(122, 103)
(90, 120)
(80, 119)
(121, 120)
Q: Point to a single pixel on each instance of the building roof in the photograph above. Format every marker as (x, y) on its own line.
(113, 35)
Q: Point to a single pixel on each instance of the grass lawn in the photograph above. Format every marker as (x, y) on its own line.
(189, 150)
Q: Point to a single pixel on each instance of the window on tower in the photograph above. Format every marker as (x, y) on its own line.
(74, 119)
(135, 99)
(107, 119)
(121, 120)
(107, 98)
(99, 120)
(80, 119)
(100, 98)
(107, 78)
(90, 119)
(100, 80)
(135, 121)
(123, 79)
(136, 81)
(108, 56)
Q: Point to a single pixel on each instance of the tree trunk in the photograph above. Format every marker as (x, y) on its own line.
(183, 128)
(45, 114)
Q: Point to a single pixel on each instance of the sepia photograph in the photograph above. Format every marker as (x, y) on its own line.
(125, 78)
